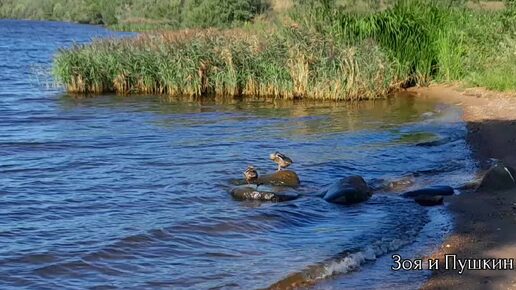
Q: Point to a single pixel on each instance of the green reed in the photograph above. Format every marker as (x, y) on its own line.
(287, 64)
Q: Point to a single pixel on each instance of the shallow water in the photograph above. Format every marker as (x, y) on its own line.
(132, 192)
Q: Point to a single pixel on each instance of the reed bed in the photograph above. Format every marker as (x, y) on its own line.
(320, 51)
(291, 64)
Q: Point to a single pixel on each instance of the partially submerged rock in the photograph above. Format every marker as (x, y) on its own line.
(401, 184)
(348, 190)
(498, 177)
(251, 193)
(279, 178)
(470, 185)
(430, 191)
(426, 200)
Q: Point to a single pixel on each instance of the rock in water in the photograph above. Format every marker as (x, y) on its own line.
(430, 191)
(348, 190)
(498, 177)
(280, 178)
(401, 183)
(250, 193)
(470, 185)
(426, 200)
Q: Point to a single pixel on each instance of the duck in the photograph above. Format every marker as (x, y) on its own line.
(282, 160)
(251, 175)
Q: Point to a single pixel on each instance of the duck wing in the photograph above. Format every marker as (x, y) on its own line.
(285, 158)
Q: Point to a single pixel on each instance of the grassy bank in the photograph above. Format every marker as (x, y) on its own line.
(318, 49)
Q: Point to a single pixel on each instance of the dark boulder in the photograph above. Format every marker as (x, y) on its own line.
(498, 177)
(426, 200)
(348, 190)
(430, 191)
(251, 193)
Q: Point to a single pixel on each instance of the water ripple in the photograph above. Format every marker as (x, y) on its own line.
(121, 192)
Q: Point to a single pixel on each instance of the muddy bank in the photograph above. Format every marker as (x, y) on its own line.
(485, 222)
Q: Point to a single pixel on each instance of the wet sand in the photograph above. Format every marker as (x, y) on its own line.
(485, 222)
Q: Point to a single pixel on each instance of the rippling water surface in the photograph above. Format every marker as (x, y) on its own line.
(132, 192)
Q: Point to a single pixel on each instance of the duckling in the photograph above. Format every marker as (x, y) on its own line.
(251, 175)
(282, 160)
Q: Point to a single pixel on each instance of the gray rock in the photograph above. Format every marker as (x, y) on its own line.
(430, 191)
(251, 193)
(426, 200)
(498, 177)
(348, 190)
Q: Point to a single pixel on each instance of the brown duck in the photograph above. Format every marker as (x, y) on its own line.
(251, 175)
(282, 160)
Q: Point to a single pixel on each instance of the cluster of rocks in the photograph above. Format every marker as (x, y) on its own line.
(354, 189)
(348, 190)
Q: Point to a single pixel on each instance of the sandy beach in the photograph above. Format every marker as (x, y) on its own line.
(485, 222)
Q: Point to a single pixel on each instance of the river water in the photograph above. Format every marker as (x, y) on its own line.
(132, 192)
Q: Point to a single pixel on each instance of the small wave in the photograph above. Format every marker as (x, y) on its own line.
(76, 268)
(344, 263)
(32, 259)
(353, 261)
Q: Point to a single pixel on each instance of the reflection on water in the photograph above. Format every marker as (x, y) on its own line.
(122, 192)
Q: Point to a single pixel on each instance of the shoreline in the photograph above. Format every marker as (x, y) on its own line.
(484, 222)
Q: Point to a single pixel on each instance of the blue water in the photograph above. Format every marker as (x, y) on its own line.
(132, 192)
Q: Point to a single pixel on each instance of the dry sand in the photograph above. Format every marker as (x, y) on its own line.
(485, 223)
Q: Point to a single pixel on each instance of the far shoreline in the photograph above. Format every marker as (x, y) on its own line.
(484, 223)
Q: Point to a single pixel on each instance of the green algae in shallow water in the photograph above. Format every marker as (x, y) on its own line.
(417, 137)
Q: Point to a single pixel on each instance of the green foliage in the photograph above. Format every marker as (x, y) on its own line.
(124, 14)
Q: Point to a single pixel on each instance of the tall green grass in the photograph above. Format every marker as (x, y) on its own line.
(420, 36)
(322, 50)
(289, 64)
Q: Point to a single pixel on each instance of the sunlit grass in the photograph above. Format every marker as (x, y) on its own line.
(290, 64)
